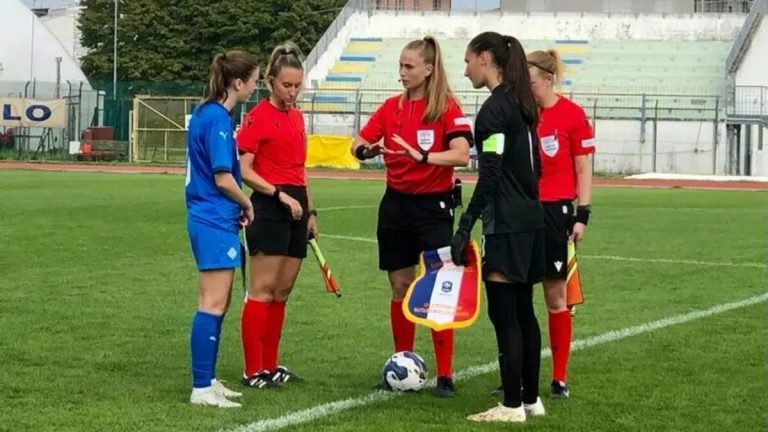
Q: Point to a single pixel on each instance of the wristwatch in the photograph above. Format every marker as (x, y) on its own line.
(313, 212)
(424, 156)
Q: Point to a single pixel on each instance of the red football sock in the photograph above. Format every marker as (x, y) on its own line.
(560, 333)
(403, 331)
(272, 334)
(442, 341)
(252, 326)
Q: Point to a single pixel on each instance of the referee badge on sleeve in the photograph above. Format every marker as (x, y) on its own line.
(550, 145)
(426, 139)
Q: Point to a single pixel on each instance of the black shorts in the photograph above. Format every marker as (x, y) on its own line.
(411, 224)
(558, 217)
(273, 231)
(518, 256)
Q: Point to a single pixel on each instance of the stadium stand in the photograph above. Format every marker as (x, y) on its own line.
(624, 68)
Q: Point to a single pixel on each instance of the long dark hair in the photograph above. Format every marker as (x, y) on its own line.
(509, 57)
(226, 68)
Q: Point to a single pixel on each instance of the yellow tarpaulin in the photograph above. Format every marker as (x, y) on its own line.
(330, 151)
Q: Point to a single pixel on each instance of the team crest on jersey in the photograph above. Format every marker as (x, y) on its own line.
(550, 145)
(426, 139)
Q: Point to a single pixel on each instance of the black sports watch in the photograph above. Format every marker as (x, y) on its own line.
(582, 213)
(313, 212)
(424, 156)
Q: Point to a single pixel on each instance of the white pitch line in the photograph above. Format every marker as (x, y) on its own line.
(322, 209)
(351, 238)
(332, 408)
(607, 257)
(674, 261)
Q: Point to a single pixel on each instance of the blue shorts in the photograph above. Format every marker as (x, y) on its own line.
(213, 248)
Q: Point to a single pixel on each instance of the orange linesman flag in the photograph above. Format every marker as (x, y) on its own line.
(573, 294)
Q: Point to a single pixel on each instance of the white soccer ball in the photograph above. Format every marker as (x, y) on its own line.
(405, 371)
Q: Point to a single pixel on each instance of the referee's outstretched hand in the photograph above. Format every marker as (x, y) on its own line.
(408, 149)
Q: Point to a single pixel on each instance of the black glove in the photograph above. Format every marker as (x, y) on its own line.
(461, 238)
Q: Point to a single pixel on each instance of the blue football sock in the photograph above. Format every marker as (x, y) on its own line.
(203, 341)
(219, 322)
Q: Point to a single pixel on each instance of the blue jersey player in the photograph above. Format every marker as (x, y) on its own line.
(216, 207)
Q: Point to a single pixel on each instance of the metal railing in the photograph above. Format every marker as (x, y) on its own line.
(722, 6)
(539, 6)
(352, 7)
(626, 106)
(740, 45)
(749, 102)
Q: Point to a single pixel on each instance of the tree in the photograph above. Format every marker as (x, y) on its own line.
(303, 22)
(174, 40)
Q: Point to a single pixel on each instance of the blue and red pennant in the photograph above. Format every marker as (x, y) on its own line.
(445, 296)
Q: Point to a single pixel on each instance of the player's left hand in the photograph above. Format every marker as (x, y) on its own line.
(458, 245)
(246, 215)
(312, 226)
(461, 239)
(407, 148)
(578, 232)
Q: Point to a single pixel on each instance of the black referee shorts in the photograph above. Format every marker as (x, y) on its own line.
(558, 217)
(518, 256)
(273, 231)
(411, 224)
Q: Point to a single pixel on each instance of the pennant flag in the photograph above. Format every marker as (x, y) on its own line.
(330, 283)
(445, 296)
(573, 295)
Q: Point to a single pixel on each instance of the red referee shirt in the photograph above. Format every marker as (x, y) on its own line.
(404, 174)
(564, 133)
(278, 141)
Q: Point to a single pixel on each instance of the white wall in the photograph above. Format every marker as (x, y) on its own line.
(556, 26)
(63, 29)
(28, 50)
(752, 71)
(759, 156)
(681, 147)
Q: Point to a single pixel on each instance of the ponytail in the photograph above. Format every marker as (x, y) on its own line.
(549, 63)
(518, 79)
(224, 70)
(509, 58)
(438, 91)
(217, 86)
(285, 55)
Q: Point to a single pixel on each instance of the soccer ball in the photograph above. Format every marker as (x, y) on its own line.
(405, 371)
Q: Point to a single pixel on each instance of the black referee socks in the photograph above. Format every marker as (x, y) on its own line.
(510, 307)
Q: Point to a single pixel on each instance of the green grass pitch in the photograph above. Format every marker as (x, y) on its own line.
(98, 287)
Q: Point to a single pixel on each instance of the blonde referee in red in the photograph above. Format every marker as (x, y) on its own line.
(273, 146)
(422, 134)
(566, 143)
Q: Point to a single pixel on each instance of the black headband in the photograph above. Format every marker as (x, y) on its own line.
(540, 67)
